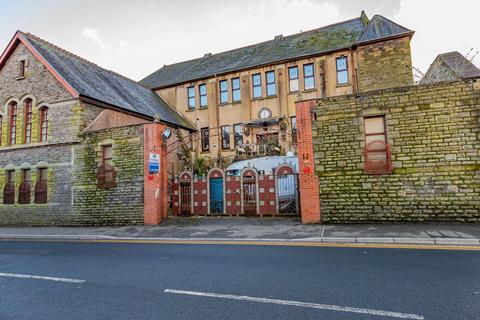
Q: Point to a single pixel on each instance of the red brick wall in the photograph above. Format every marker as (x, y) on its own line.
(308, 181)
(155, 189)
(233, 195)
(200, 198)
(266, 195)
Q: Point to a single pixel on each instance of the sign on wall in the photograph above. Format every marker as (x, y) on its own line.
(154, 163)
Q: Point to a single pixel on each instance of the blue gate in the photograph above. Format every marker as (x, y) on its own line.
(216, 195)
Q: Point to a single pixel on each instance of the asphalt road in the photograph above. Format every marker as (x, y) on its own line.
(167, 281)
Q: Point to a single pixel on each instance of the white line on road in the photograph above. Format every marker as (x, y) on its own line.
(390, 314)
(26, 276)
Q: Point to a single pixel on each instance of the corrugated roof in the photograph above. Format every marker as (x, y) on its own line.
(450, 66)
(326, 39)
(94, 82)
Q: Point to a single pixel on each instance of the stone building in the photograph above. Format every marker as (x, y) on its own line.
(405, 154)
(74, 139)
(243, 100)
(449, 67)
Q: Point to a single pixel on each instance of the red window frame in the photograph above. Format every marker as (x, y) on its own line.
(24, 190)
(12, 112)
(9, 189)
(43, 124)
(41, 187)
(106, 175)
(27, 132)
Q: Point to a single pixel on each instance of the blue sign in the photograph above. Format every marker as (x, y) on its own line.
(154, 163)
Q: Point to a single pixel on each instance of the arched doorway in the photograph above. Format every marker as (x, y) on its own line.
(287, 189)
(216, 187)
(249, 191)
(185, 194)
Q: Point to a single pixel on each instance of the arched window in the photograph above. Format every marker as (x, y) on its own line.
(41, 187)
(24, 190)
(43, 124)
(12, 111)
(27, 107)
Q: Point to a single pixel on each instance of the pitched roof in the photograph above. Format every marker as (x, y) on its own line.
(450, 66)
(330, 38)
(91, 81)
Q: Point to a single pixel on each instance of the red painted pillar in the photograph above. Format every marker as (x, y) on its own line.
(155, 185)
(308, 181)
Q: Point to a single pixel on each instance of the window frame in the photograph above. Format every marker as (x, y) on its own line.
(205, 95)
(294, 130)
(257, 86)
(28, 119)
(369, 167)
(191, 89)
(235, 90)
(205, 140)
(225, 81)
(239, 135)
(312, 76)
(290, 79)
(338, 71)
(12, 123)
(44, 111)
(9, 188)
(106, 168)
(21, 68)
(41, 186)
(225, 142)
(25, 187)
(267, 84)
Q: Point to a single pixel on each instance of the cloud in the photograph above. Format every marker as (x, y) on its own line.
(93, 35)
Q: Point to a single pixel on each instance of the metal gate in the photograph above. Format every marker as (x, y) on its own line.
(185, 194)
(287, 189)
(216, 195)
(249, 190)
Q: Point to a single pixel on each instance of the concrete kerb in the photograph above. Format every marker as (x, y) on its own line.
(327, 240)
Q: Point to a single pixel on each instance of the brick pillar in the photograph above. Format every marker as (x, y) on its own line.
(308, 181)
(155, 185)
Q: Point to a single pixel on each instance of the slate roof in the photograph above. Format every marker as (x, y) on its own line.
(94, 82)
(450, 66)
(334, 37)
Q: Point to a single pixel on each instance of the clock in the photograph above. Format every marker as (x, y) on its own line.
(167, 133)
(265, 113)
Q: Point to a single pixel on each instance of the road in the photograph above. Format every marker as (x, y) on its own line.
(52, 280)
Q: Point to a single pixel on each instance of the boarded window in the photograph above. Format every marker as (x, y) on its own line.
(43, 124)
(205, 132)
(24, 190)
(9, 189)
(41, 187)
(106, 175)
(377, 151)
(21, 69)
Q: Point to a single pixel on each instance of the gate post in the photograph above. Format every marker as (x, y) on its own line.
(308, 181)
(155, 184)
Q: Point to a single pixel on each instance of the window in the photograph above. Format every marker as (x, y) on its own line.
(342, 70)
(377, 151)
(238, 134)
(294, 129)
(205, 132)
(223, 91)
(202, 89)
(293, 79)
(257, 85)
(9, 189)
(24, 189)
(236, 89)
(271, 88)
(308, 76)
(21, 69)
(13, 123)
(191, 98)
(43, 124)
(106, 173)
(41, 187)
(27, 106)
(225, 137)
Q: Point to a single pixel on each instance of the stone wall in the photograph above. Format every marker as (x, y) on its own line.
(122, 204)
(384, 64)
(433, 131)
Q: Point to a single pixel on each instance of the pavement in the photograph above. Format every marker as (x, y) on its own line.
(289, 230)
(84, 280)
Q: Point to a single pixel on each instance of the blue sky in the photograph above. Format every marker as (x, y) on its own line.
(135, 38)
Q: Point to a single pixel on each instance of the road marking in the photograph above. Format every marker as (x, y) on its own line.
(26, 276)
(398, 315)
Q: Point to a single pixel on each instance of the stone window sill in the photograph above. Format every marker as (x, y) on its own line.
(343, 85)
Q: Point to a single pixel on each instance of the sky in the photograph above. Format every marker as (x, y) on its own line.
(135, 38)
